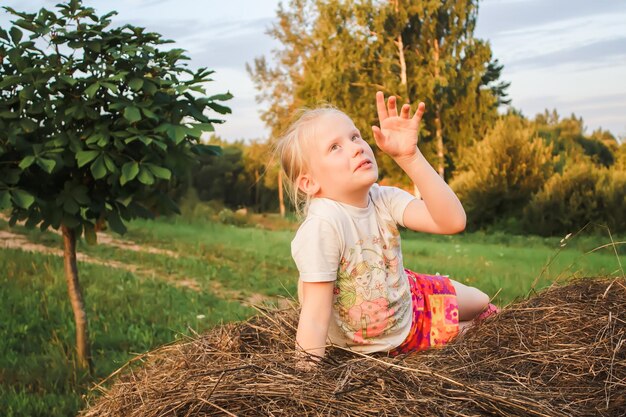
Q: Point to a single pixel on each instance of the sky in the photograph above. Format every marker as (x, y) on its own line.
(568, 55)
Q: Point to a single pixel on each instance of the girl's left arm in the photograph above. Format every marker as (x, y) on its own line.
(440, 211)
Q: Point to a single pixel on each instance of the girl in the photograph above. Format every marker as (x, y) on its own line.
(353, 288)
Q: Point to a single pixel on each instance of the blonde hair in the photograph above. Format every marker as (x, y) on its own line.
(291, 149)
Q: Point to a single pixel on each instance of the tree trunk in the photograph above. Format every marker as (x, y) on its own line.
(76, 298)
(281, 201)
(438, 130)
(403, 81)
(257, 190)
(439, 139)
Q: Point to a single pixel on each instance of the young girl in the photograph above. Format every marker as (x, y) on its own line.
(353, 288)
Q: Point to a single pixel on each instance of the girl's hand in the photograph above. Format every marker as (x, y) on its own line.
(307, 363)
(397, 134)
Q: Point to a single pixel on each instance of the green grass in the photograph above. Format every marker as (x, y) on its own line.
(127, 315)
(131, 313)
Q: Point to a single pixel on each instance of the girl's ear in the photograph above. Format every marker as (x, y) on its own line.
(308, 185)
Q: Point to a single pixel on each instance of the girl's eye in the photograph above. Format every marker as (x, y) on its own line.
(355, 137)
(333, 147)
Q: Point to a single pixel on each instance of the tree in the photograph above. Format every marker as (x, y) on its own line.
(620, 157)
(94, 122)
(343, 51)
(256, 165)
(571, 143)
(276, 85)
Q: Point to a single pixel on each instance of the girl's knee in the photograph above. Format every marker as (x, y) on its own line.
(477, 299)
(480, 297)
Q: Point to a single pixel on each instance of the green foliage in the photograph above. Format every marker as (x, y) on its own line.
(94, 120)
(498, 175)
(237, 177)
(611, 191)
(582, 194)
(570, 143)
(343, 51)
(599, 152)
(620, 157)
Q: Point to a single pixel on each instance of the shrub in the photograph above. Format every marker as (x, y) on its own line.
(227, 216)
(583, 193)
(620, 158)
(611, 190)
(498, 175)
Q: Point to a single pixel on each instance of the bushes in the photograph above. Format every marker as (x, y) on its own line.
(507, 182)
(583, 193)
(499, 175)
(611, 190)
(620, 157)
(565, 204)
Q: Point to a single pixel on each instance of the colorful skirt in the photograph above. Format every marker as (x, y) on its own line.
(435, 313)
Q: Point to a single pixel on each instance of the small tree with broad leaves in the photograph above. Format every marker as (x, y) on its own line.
(95, 120)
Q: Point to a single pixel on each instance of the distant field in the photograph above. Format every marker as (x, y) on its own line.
(177, 277)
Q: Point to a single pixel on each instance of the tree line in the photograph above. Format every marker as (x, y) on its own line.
(518, 161)
(342, 51)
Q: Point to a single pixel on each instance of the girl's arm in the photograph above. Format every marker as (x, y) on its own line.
(440, 211)
(317, 298)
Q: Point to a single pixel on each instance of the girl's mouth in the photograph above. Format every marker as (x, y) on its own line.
(365, 164)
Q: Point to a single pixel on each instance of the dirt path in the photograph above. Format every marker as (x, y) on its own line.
(16, 241)
(12, 240)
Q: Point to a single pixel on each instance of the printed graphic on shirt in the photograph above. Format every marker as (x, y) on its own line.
(370, 287)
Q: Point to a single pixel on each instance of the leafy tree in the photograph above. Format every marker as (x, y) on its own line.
(94, 122)
(451, 70)
(342, 51)
(256, 166)
(276, 84)
(606, 137)
(620, 157)
(570, 142)
(235, 178)
(223, 177)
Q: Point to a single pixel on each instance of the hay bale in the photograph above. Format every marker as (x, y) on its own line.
(558, 353)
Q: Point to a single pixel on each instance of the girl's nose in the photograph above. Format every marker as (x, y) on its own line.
(357, 148)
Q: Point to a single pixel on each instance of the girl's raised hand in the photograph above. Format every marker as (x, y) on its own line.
(397, 134)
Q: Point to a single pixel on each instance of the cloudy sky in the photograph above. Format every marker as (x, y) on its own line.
(563, 54)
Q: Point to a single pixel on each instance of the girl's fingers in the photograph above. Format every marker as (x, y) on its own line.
(391, 104)
(380, 106)
(404, 113)
(421, 108)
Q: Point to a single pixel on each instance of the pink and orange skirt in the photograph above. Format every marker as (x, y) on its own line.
(435, 313)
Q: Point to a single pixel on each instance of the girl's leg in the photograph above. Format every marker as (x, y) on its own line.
(463, 325)
(472, 301)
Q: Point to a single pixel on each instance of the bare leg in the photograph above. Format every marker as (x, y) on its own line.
(472, 301)
(464, 325)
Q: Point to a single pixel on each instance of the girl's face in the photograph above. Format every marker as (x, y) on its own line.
(342, 164)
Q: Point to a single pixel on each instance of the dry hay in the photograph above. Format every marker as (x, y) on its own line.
(558, 353)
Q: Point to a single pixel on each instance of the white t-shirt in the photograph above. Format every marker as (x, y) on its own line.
(359, 249)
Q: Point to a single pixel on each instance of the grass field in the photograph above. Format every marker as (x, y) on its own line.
(181, 277)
